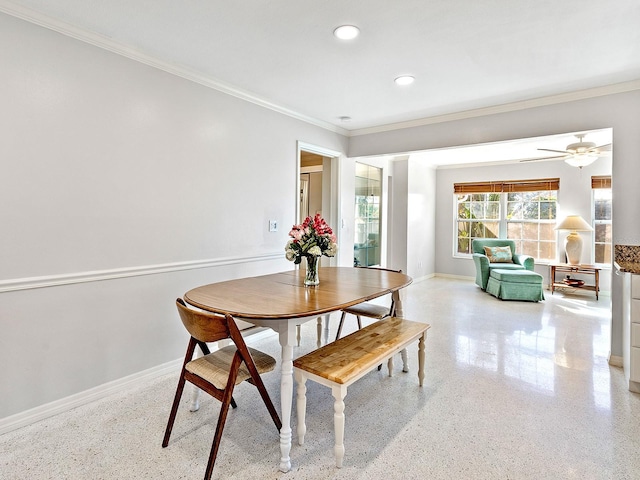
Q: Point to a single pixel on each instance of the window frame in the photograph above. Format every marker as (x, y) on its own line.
(602, 182)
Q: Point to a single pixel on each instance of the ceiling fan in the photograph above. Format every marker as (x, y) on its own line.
(579, 154)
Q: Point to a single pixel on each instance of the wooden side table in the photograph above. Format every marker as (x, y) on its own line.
(579, 269)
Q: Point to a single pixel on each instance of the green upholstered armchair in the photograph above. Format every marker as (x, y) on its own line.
(484, 266)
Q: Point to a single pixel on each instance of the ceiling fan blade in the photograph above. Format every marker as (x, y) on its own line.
(556, 151)
(606, 148)
(535, 159)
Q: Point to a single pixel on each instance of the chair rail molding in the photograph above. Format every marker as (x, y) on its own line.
(29, 283)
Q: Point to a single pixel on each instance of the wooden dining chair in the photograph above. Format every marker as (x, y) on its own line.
(368, 309)
(218, 372)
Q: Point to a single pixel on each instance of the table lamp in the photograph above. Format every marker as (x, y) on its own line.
(573, 242)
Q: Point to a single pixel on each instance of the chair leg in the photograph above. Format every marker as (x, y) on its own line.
(359, 322)
(174, 411)
(340, 325)
(269, 404)
(222, 418)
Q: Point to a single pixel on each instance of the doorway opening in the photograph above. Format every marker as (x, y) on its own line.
(318, 188)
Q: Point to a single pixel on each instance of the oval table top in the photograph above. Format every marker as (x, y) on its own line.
(283, 295)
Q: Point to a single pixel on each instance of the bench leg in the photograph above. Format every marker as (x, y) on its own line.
(301, 404)
(339, 392)
(421, 359)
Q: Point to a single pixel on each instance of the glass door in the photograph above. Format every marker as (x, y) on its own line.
(366, 250)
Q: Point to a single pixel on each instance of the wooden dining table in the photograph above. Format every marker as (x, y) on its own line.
(280, 301)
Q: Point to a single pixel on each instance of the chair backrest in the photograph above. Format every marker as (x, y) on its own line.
(204, 327)
(478, 244)
(392, 307)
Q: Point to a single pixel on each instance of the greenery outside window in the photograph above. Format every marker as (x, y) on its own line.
(478, 217)
(601, 188)
(524, 211)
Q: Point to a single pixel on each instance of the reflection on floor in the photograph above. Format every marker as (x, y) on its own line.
(513, 390)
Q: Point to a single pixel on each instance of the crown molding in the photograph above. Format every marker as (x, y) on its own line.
(507, 107)
(111, 45)
(118, 48)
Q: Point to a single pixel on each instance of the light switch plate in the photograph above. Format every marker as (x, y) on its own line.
(273, 225)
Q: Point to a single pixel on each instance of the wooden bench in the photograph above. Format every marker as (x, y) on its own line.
(337, 365)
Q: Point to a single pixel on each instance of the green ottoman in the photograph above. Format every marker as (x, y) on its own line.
(515, 285)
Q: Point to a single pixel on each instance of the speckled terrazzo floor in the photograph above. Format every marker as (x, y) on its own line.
(513, 390)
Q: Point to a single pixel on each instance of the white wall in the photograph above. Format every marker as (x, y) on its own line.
(398, 214)
(619, 111)
(136, 184)
(421, 219)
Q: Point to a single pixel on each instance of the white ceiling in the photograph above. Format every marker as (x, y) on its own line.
(464, 54)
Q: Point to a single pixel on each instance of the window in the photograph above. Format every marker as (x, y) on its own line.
(524, 211)
(601, 187)
(531, 217)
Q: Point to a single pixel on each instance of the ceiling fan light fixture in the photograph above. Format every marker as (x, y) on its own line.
(581, 159)
(346, 32)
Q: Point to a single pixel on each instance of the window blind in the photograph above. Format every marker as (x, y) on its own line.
(534, 185)
(601, 181)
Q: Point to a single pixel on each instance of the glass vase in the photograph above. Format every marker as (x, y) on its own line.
(311, 277)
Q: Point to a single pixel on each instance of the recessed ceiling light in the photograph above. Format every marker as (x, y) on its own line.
(404, 80)
(346, 32)
(344, 119)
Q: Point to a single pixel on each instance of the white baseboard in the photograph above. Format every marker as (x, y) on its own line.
(455, 277)
(616, 361)
(47, 410)
(423, 278)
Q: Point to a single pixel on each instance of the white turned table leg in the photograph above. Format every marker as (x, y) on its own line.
(319, 332)
(195, 399)
(339, 392)
(195, 391)
(327, 317)
(301, 404)
(421, 359)
(390, 366)
(286, 396)
(405, 360)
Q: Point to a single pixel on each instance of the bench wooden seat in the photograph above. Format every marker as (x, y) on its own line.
(339, 364)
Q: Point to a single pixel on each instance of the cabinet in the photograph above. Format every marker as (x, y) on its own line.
(631, 330)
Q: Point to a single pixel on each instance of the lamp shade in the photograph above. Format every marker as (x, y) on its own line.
(574, 223)
(573, 242)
